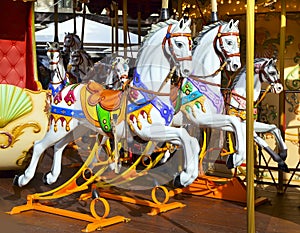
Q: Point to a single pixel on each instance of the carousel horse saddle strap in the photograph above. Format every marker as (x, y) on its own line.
(109, 100)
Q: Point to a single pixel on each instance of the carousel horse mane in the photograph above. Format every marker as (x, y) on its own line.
(204, 31)
(153, 30)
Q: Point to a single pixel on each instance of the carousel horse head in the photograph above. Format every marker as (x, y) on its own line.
(80, 63)
(268, 73)
(119, 71)
(222, 38)
(53, 54)
(58, 74)
(176, 43)
(71, 42)
(265, 71)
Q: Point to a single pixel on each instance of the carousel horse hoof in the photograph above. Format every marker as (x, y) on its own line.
(177, 183)
(16, 180)
(283, 167)
(45, 178)
(283, 154)
(229, 162)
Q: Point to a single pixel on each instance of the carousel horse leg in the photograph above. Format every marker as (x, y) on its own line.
(262, 143)
(226, 123)
(176, 136)
(39, 147)
(51, 176)
(260, 127)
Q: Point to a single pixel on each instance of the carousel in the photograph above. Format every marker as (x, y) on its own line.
(158, 133)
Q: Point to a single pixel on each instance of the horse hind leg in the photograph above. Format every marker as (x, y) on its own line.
(52, 176)
(261, 127)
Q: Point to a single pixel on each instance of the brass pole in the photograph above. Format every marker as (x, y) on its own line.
(249, 115)
(56, 21)
(125, 26)
(116, 27)
(139, 26)
(282, 94)
(74, 15)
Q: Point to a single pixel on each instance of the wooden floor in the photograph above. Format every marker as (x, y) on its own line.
(201, 214)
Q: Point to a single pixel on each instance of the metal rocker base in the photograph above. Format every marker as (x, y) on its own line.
(156, 205)
(96, 222)
(216, 187)
(68, 188)
(229, 189)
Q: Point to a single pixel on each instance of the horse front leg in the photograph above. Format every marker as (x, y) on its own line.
(260, 127)
(52, 176)
(262, 143)
(177, 136)
(39, 147)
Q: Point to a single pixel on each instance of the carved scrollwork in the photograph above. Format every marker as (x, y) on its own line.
(13, 136)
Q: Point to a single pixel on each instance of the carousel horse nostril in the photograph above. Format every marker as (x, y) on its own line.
(186, 71)
(235, 67)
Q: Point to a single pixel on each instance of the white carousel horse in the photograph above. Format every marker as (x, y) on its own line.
(81, 63)
(199, 99)
(58, 78)
(149, 111)
(265, 71)
(71, 43)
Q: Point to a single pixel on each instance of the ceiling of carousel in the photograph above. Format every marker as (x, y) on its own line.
(195, 8)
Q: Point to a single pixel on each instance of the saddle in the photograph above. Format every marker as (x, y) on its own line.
(96, 101)
(109, 100)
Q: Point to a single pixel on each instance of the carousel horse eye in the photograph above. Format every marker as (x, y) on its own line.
(229, 42)
(179, 44)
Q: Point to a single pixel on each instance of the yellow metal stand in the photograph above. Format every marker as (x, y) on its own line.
(156, 205)
(70, 187)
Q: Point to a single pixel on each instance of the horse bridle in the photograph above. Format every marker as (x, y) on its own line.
(72, 40)
(223, 54)
(168, 37)
(56, 69)
(260, 70)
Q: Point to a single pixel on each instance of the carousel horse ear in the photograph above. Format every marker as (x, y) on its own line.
(179, 25)
(236, 24)
(229, 25)
(188, 23)
(48, 45)
(256, 68)
(127, 60)
(56, 45)
(274, 60)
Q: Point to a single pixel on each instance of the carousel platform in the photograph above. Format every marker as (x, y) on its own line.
(281, 213)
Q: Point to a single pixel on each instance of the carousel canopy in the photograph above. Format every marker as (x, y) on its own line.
(134, 6)
(94, 32)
